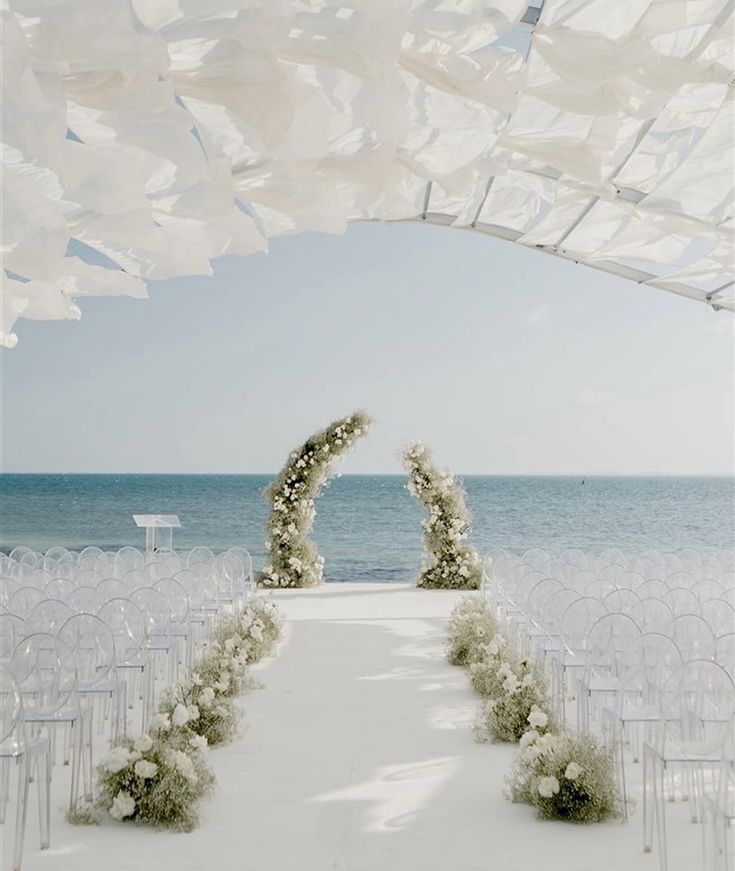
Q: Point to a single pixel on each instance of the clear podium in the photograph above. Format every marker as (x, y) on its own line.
(159, 530)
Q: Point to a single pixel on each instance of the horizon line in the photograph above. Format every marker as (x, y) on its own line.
(647, 474)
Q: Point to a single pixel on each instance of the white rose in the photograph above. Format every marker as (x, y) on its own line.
(183, 764)
(573, 771)
(118, 758)
(145, 769)
(123, 805)
(548, 787)
(527, 738)
(180, 716)
(538, 718)
(193, 711)
(143, 743)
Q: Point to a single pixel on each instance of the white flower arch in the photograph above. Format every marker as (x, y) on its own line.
(450, 563)
(294, 560)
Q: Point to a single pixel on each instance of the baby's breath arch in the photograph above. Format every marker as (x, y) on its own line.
(294, 560)
(450, 564)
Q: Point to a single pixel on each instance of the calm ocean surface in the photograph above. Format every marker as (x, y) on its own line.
(367, 527)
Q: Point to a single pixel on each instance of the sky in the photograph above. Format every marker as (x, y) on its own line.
(503, 360)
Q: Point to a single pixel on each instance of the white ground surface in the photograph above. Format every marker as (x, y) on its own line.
(358, 756)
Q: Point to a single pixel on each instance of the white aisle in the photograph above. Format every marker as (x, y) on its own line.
(358, 756)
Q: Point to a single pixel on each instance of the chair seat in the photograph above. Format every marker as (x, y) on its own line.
(602, 684)
(636, 714)
(63, 715)
(105, 686)
(688, 751)
(13, 748)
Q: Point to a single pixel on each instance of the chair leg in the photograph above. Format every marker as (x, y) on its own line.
(43, 780)
(4, 787)
(21, 812)
(660, 812)
(77, 736)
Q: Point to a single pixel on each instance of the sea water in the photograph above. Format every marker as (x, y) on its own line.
(368, 526)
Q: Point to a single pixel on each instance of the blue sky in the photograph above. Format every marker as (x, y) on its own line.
(504, 360)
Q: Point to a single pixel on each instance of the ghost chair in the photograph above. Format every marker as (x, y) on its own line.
(45, 669)
(697, 717)
(93, 646)
(31, 758)
(128, 625)
(608, 639)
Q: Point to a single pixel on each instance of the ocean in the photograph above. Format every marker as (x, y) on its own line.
(368, 526)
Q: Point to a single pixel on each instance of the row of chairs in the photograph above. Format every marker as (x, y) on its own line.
(88, 644)
(649, 661)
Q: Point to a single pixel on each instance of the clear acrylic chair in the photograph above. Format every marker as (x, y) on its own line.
(693, 636)
(24, 600)
(45, 669)
(718, 843)
(93, 646)
(608, 639)
(180, 628)
(697, 708)
(48, 616)
(128, 625)
(31, 757)
(643, 667)
(575, 624)
(12, 629)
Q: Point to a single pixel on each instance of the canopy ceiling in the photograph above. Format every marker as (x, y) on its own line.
(143, 138)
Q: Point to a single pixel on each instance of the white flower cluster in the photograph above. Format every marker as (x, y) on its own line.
(450, 564)
(294, 561)
(159, 777)
(566, 777)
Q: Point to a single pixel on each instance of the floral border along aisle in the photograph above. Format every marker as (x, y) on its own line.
(294, 561)
(159, 777)
(563, 776)
(451, 564)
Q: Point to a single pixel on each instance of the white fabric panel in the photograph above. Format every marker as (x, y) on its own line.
(163, 134)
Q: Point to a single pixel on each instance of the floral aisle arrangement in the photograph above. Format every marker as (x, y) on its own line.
(450, 564)
(157, 780)
(294, 561)
(565, 777)
(513, 688)
(159, 777)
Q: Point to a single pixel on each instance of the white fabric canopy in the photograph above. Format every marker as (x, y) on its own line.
(143, 138)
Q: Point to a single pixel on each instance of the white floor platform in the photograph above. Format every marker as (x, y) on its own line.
(358, 756)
